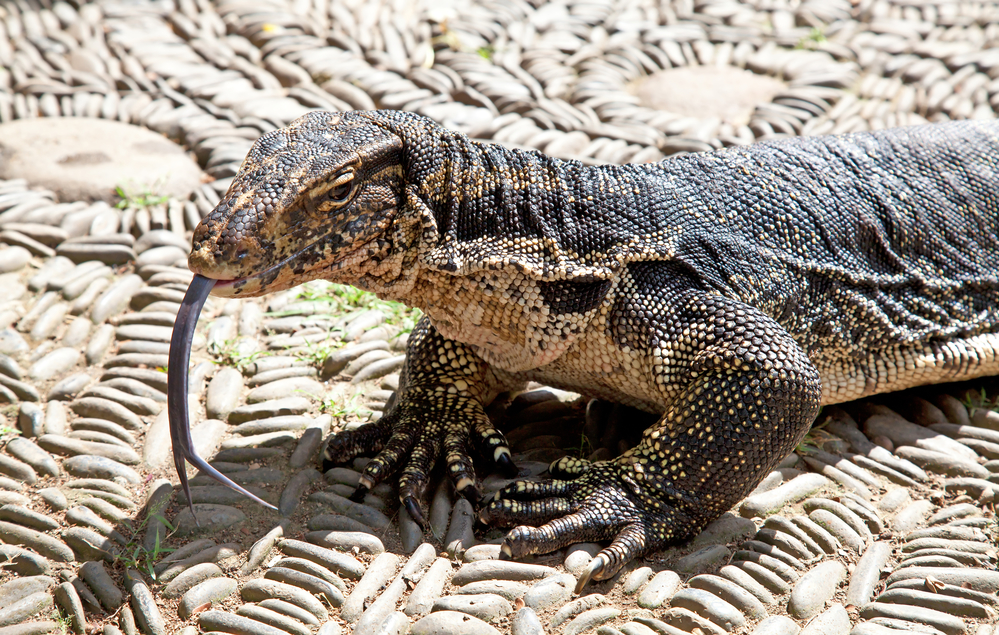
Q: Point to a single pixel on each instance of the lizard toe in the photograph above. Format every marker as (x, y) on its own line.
(343, 446)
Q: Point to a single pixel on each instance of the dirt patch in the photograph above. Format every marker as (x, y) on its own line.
(725, 92)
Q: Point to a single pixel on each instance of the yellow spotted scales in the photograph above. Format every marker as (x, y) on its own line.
(732, 292)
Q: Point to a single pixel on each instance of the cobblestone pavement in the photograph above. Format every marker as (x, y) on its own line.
(881, 522)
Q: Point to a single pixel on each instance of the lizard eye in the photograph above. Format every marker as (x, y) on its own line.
(342, 187)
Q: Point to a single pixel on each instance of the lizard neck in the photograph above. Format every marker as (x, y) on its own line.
(498, 209)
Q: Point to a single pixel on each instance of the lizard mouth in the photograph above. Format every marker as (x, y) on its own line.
(286, 273)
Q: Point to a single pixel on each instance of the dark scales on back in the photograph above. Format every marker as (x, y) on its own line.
(731, 292)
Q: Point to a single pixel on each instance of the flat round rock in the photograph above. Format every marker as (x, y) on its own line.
(86, 159)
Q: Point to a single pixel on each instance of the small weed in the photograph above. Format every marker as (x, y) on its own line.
(340, 410)
(134, 554)
(583, 450)
(8, 432)
(815, 37)
(319, 351)
(63, 624)
(980, 401)
(343, 298)
(143, 198)
(228, 354)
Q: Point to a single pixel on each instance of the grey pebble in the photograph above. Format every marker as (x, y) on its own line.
(526, 622)
(703, 559)
(481, 552)
(486, 606)
(577, 606)
(334, 561)
(99, 343)
(777, 625)
(44, 544)
(147, 612)
(379, 572)
(637, 579)
(17, 470)
(867, 573)
(304, 386)
(262, 589)
(549, 592)
(834, 621)
(88, 466)
(97, 578)
(68, 600)
(223, 393)
(115, 299)
(87, 544)
(295, 612)
(386, 602)
(211, 590)
(273, 618)
(710, 607)
(356, 511)
(459, 535)
(64, 445)
(815, 588)
(191, 578)
(260, 549)
(590, 619)
(211, 518)
(838, 528)
(503, 588)
(273, 408)
(313, 569)
(958, 606)
(337, 361)
(428, 589)
(500, 570)
(68, 387)
(27, 451)
(20, 611)
(314, 584)
(732, 593)
(949, 624)
(27, 517)
(661, 588)
(796, 489)
(54, 498)
(450, 623)
(24, 391)
(727, 529)
(346, 540)
(294, 491)
(19, 588)
(225, 622)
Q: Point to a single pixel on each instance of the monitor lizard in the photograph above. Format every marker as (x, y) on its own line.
(732, 293)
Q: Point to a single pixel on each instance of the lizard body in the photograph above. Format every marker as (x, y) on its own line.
(730, 292)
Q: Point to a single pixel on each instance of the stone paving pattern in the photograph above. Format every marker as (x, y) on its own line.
(883, 520)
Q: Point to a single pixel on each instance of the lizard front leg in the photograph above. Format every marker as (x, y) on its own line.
(443, 388)
(745, 394)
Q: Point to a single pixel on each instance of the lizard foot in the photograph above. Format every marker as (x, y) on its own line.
(412, 436)
(609, 501)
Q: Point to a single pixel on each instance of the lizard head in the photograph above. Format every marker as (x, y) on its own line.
(311, 200)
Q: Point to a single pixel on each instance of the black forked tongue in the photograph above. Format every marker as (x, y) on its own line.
(180, 357)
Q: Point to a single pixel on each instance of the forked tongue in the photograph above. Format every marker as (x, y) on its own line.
(180, 358)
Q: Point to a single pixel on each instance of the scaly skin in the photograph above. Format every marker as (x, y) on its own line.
(731, 292)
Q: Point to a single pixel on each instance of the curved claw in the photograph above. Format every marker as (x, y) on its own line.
(471, 493)
(591, 572)
(506, 465)
(415, 512)
(180, 429)
(359, 493)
